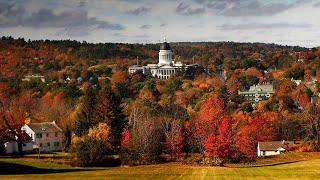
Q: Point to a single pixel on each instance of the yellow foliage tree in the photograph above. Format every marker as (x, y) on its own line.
(100, 132)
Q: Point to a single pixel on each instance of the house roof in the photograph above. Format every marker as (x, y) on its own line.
(276, 145)
(262, 87)
(47, 127)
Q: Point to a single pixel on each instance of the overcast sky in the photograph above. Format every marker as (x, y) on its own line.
(288, 22)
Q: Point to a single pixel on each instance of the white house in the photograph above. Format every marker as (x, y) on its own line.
(12, 147)
(47, 136)
(276, 147)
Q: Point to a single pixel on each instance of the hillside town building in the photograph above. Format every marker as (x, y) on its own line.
(35, 78)
(258, 92)
(165, 67)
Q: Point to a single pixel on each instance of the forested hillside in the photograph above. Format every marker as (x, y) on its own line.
(90, 94)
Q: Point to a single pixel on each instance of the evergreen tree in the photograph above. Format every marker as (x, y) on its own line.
(85, 117)
(108, 110)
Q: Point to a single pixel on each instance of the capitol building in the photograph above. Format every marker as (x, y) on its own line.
(165, 67)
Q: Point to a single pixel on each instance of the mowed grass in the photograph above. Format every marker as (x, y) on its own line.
(298, 166)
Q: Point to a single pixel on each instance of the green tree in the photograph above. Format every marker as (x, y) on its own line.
(108, 110)
(85, 118)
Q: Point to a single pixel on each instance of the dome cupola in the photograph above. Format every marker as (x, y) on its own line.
(165, 54)
(165, 46)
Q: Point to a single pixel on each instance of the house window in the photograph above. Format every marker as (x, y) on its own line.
(56, 143)
(48, 144)
(39, 135)
(47, 134)
(275, 151)
(56, 134)
(40, 145)
(264, 153)
(24, 145)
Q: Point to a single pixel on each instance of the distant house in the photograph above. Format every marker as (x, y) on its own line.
(276, 147)
(35, 78)
(258, 92)
(298, 82)
(46, 136)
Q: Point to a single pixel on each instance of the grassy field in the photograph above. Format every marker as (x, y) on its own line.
(291, 166)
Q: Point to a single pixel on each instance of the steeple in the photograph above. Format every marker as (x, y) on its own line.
(164, 38)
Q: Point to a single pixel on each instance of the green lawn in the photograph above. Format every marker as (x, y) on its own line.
(301, 166)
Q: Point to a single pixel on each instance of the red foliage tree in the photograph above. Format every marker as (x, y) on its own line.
(207, 121)
(12, 116)
(304, 100)
(248, 136)
(174, 139)
(125, 137)
(221, 146)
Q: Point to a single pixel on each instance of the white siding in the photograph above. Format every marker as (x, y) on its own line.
(12, 147)
(268, 153)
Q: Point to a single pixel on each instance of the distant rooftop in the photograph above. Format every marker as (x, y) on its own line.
(262, 87)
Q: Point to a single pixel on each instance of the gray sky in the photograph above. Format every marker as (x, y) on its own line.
(288, 22)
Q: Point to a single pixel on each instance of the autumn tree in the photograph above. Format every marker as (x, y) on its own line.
(13, 112)
(311, 123)
(207, 121)
(100, 132)
(57, 109)
(125, 137)
(285, 87)
(174, 139)
(258, 129)
(120, 86)
(94, 149)
(221, 145)
(304, 100)
(145, 135)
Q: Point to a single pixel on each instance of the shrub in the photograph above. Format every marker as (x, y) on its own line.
(212, 161)
(88, 152)
(308, 147)
(134, 155)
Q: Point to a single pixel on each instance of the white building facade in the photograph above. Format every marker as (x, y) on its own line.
(46, 136)
(12, 147)
(165, 67)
